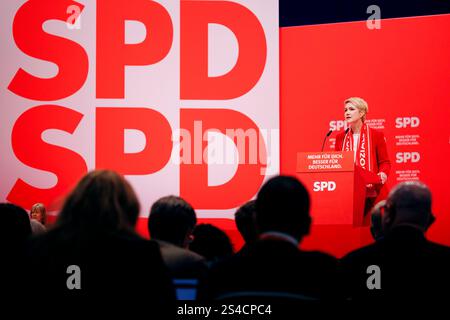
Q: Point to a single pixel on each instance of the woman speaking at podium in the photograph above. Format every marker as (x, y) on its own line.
(368, 145)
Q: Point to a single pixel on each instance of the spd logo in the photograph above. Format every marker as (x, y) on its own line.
(405, 122)
(324, 186)
(405, 157)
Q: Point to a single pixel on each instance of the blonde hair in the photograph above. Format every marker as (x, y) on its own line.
(359, 103)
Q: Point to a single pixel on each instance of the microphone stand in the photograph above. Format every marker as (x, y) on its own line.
(325, 139)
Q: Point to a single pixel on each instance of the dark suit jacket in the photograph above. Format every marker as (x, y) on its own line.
(412, 268)
(273, 266)
(118, 270)
(182, 263)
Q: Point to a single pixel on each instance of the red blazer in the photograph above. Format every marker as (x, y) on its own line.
(380, 157)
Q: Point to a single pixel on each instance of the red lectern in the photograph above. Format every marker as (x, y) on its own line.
(336, 185)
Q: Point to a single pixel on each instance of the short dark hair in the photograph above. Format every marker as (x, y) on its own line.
(211, 242)
(171, 219)
(16, 226)
(245, 219)
(283, 205)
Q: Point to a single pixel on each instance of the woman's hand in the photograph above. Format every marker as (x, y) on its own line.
(383, 177)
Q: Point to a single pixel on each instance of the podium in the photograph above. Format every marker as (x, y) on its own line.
(336, 185)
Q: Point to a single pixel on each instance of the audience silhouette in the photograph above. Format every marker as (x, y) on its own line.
(171, 222)
(15, 231)
(245, 222)
(411, 267)
(94, 235)
(273, 267)
(92, 256)
(211, 242)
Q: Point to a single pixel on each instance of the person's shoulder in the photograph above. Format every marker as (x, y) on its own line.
(377, 133)
(317, 255)
(127, 244)
(439, 249)
(169, 251)
(362, 253)
(37, 227)
(340, 134)
(339, 138)
(234, 263)
(50, 240)
(143, 244)
(319, 258)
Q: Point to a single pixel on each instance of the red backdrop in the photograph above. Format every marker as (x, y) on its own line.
(403, 72)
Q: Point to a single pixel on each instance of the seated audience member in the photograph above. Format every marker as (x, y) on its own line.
(92, 255)
(15, 230)
(211, 242)
(245, 219)
(411, 268)
(274, 267)
(16, 227)
(39, 213)
(170, 223)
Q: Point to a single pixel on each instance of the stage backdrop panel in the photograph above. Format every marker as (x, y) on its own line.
(182, 97)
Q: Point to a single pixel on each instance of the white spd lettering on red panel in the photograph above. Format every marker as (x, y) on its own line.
(324, 186)
(404, 122)
(404, 157)
(337, 125)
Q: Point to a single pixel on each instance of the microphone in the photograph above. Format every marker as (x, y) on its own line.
(346, 130)
(325, 139)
